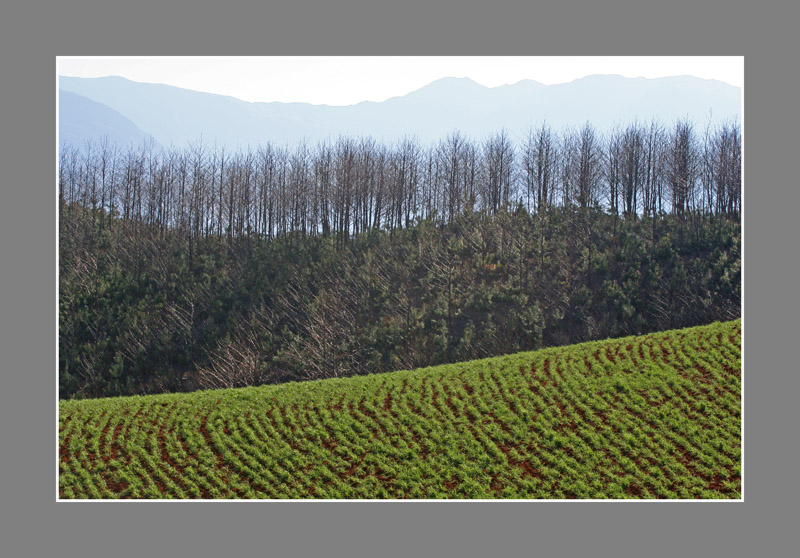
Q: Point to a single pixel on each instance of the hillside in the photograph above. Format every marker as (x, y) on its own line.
(654, 416)
(81, 120)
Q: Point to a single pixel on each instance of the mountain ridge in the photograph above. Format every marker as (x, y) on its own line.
(82, 119)
(177, 116)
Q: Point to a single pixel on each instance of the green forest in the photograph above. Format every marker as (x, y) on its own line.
(187, 269)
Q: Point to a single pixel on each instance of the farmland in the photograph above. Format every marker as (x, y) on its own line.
(656, 416)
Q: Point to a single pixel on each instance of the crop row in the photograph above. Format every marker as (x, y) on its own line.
(655, 416)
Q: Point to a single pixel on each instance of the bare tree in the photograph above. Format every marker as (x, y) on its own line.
(681, 165)
(498, 164)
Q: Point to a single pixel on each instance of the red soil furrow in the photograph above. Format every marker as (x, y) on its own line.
(638, 458)
(354, 465)
(127, 429)
(536, 400)
(149, 474)
(510, 404)
(116, 487)
(665, 353)
(564, 363)
(255, 427)
(687, 460)
(252, 452)
(611, 459)
(731, 370)
(729, 355)
(330, 443)
(717, 484)
(506, 447)
(87, 448)
(581, 413)
(278, 436)
(468, 388)
(280, 432)
(561, 426)
(373, 424)
(339, 404)
(63, 449)
(289, 423)
(377, 401)
(495, 484)
(695, 416)
(175, 471)
(218, 457)
(138, 414)
(386, 478)
(566, 411)
(464, 420)
(272, 420)
(424, 387)
(151, 452)
(115, 445)
(611, 356)
(588, 365)
(67, 419)
(449, 402)
(103, 455)
(452, 484)
(414, 409)
(527, 467)
(692, 399)
(434, 400)
(652, 402)
(396, 438)
(424, 451)
(634, 490)
(654, 351)
(435, 403)
(503, 426)
(635, 361)
(705, 376)
(546, 368)
(120, 487)
(604, 419)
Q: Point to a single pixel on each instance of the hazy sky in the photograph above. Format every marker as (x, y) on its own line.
(349, 80)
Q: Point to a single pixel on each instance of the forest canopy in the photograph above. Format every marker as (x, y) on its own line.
(194, 268)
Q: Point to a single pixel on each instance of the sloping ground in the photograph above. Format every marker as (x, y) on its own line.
(656, 416)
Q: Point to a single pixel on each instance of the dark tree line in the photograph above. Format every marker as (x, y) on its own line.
(199, 267)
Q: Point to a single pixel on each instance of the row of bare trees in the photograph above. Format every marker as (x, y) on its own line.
(353, 185)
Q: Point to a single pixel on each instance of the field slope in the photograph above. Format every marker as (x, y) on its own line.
(656, 416)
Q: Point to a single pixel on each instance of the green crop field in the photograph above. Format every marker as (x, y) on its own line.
(656, 416)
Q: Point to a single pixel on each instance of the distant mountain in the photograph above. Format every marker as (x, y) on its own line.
(80, 119)
(178, 116)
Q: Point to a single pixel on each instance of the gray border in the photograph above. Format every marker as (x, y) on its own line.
(33, 524)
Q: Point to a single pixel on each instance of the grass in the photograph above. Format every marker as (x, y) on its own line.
(656, 416)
